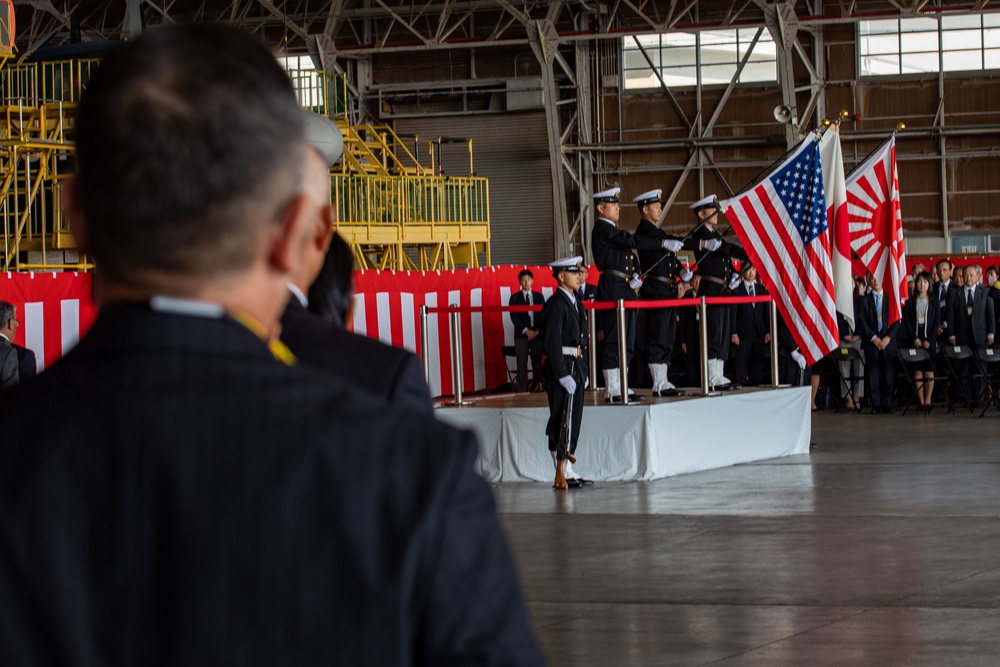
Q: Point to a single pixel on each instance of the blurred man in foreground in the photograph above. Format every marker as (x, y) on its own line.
(199, 501)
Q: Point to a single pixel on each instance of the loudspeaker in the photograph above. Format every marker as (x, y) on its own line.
(783, 114)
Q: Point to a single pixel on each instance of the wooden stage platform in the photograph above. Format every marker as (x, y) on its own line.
(657, 438)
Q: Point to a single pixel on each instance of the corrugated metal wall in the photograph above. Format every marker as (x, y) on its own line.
(510, 150)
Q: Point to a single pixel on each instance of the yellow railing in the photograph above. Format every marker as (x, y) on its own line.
(414, 222)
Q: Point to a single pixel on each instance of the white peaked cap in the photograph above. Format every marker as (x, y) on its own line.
(607, 196)
(572, 264)
(704, 203)
(650, 197)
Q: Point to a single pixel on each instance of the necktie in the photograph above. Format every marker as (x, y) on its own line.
(752, 305)
(878, 309)
(968, 297)
(531, 316)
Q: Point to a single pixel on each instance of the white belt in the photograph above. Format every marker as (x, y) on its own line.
(575, 352)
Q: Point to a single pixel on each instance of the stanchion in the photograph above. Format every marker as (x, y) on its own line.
(425, 353)
(622, 351)
(774, 347)
(703, 352)
(455, 329)
(592, 347)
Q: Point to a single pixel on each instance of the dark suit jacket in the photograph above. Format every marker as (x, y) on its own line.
(521, 321)
(26, 366)
(909, 332)
(971, 331)
(868, 318)
(198, 502)
(943, 297)
(393, 375)
(746, 321)
(8, 364)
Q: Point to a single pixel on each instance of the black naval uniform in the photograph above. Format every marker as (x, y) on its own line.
(563, 326)
(716, 269)
(614, 254)
(661, 283)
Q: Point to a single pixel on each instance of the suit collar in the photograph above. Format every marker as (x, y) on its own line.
(134, 327)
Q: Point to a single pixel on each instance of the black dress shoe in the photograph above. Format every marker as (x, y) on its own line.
(573, 483)
(875, 410)
(580, 481)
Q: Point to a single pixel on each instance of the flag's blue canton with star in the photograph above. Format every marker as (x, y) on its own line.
(800, 187)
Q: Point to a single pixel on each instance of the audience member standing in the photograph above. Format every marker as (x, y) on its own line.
(751, 330)
(920, 325)
(526, 341)
(879, 344)
(9, 365)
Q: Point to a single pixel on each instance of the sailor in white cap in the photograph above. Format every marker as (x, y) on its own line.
(563, 327)
(614, 253)
(662, 270)
(713, 257)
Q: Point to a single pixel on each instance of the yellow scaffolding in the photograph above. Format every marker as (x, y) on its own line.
(395, 209)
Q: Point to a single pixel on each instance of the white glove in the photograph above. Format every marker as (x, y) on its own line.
(586, 382)
(734, 282)
(673, 245)
(796, 355)
(636, 281)
(568, 383)
(712, 245)
(686, 275)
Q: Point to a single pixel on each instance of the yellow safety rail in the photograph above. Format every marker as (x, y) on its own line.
(416, 222)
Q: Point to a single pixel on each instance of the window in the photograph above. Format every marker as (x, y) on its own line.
(306, 80)
(968, 43)
(688, 59)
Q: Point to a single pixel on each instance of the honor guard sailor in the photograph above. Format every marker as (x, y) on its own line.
(563, 326)
(614, 254)
(662, 270)
(714, 258)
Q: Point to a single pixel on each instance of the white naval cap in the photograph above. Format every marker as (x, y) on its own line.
(570, 264)
(609, 196)
(707, 202)
(324, 135)
(646, 198)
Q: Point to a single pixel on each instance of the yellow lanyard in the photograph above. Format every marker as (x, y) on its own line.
(278, 349)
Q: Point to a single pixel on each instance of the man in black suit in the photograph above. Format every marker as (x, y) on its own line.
(200, 501)
(751, 330)
(526, 341)
(878, 341)
(971, 322)
(392, 374)
(564, 338)
(9, 362)
(27, 365)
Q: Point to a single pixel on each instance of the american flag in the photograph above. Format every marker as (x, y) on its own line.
(876, 223)
(783, 226)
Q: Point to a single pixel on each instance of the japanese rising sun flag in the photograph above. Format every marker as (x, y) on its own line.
(876, 223)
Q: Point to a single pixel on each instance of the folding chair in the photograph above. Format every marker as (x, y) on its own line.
(989, 367)
(509, 353)
(908, 358)
(847, 384)
(961, 364)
